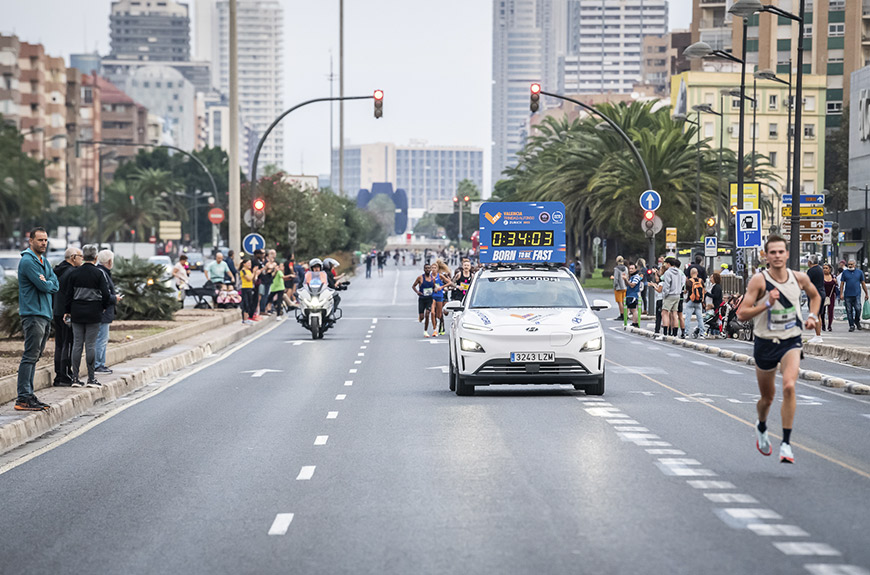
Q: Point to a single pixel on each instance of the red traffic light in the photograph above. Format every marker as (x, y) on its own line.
(379, 94)
(649, 215)
(466, 198)
(259, 204)
(536, 88)
(455, 199)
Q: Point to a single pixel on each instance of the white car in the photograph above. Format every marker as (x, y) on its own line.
(526, 325)
(166, 262)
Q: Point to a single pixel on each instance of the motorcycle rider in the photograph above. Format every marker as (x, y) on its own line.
(315, 268)
(329, 266)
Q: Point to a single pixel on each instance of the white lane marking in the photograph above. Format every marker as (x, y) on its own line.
(260, 372)
(349, 382)
(590, 399)
(636, 436)
(605, 412)
(445, 369)
(679, 467)
(867, 415)
(352, 370)
(321, 440)
(776, 530)
(805, 548)
(306, 473)
(340, 397)
(623, 421)
(361, 354)
(369, 332)
(698, 362)
(634, 369)
(363, 347)
(655, 451)
(630, 428)
(604, 404)
(357, 362)
(332, 415)
(731, 498)
(672, 354)
(281, 524)
(649, 443)
(636, 342)
(829, 569)
(374, 319)
(679, 461)
(367, 341)
(752, 513)
(298, 341)
(731, 372)
(705, 484)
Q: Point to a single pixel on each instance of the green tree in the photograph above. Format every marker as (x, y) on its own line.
(837, 165)
(24, 193)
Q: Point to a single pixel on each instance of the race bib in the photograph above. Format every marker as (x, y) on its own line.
(463, 287)
(427, 292)
(781, 319)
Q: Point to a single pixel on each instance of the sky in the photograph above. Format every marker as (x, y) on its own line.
(432, 59)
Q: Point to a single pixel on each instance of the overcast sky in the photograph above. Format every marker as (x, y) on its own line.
(432, 59)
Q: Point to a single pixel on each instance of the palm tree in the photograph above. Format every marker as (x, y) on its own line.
(129, 207)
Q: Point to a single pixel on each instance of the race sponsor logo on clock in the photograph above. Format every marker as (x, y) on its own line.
(544, 217)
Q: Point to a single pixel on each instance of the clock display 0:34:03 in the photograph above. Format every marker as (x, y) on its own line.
(526, 239)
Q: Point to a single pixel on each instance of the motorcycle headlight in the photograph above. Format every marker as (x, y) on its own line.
(593, 344)
(314, 301)
(469, 345)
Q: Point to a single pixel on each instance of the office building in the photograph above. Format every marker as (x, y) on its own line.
(605, 38)
(216, 132)
(662, 57)
(87, 63)
(837, 31)
(528, 43)
(166, 93)
(150, 30)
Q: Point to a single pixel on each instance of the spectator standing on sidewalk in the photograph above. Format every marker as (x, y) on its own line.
(218, 271)
(248, 302)
(179, 274)
(672, 287)
(695, 291)
(698, 265)
(105, 263)
(63, 338)
(276, 291)
(233, 276)
(36, 284)
(86, 296)
(851, 284)
(832, 292)
(619, 285)
(817, 278)
(634, 283)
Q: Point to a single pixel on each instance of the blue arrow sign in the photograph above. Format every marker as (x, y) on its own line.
(748, 228)
(253, 242)
(806, 200)
(650, 200)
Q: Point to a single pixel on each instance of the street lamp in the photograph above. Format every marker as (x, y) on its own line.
(747, 8)
(866, 231)
(708, 109)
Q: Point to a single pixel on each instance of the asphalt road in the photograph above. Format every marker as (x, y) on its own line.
(386, 471)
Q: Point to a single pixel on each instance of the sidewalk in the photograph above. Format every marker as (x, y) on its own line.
(134, 364)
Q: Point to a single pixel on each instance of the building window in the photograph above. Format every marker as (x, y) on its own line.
(809, 159)
(773, 102)
(836, 29)
(809, 131)
(735, 104)
(708, 129)
(773, 131)
(835, 107)
(810, 103)
(772, 159)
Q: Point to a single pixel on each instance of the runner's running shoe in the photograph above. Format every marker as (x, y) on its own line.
(762, 442)
(425, 333)
(785, 453)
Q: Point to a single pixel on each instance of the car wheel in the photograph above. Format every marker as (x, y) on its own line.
(463, 388)
(451, 374)
(596, 388)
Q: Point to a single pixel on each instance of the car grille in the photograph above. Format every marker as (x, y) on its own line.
(559, 367)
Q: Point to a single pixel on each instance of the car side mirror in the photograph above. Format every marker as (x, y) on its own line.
(453, 306)
(600, 304)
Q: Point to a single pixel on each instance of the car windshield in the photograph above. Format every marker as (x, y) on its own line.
(10, 262)
(160, 260)
(526, 291)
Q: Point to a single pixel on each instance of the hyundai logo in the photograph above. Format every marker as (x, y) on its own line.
(533, 328)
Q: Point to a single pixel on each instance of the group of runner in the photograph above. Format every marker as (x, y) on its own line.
(437, 285)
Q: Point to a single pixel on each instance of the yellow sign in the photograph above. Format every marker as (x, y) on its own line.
(169, 230)
(751, 191)
(671, 235)
(806, 212)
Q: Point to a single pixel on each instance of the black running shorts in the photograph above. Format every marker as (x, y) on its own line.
(423, 303)
(768, 353)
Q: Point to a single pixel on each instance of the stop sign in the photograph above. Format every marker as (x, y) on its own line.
(215, 215)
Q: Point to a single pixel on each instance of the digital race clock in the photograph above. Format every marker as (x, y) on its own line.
(522, 239)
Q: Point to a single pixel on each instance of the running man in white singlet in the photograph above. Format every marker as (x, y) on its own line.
(772, 301)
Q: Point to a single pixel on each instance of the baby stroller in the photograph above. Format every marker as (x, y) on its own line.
(733, 327)
(229, 298)
(199, 294)
(712, 322)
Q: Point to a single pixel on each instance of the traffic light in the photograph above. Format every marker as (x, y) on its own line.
(649, 223)
(259, 212)
(536, 97)
(733, 217)
(711, 226)
(379, 103)
(466, 199)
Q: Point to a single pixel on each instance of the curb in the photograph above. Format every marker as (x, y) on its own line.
(79, 400)
(848, 386)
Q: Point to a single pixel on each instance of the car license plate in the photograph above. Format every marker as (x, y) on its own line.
(533, 357)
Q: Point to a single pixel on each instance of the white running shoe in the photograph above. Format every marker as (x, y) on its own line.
(816, 339)
(785, 454)
(762, 442)
(425, 333)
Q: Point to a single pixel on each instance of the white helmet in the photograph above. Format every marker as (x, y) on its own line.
(330, 263)
(315, 262)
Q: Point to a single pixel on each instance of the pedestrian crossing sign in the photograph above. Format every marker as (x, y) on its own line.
(710, 246)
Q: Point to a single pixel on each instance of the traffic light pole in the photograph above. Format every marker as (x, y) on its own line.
(272, 127)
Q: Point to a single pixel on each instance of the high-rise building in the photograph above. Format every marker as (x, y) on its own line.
(835, 45)
(165, 92)
(662, 57)
(528, 39)
(604, 41)
(150, 30)
(122, 119)
(260, 28)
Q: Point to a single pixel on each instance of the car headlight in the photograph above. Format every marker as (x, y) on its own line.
(593, 344)
(475, 327)
(584, 327)
(469, 345)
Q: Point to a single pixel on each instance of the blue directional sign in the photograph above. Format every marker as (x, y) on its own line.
(519, 232)
(711, 247)
(650, 200)
(748, 228)
(806, 199)
(253, 242)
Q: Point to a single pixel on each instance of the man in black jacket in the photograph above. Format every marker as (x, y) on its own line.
(87, 295)
(63, 336)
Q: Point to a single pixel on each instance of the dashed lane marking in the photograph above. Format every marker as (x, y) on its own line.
(630, 428)
(731, 498)
(623, 422)
(357, 362)
(352, 370)
(321, 440)
(349, 382)
(776, 530)
(306, 473)
(806, 548)
(374, 319)
(658, 451)
(360, 354)
(672, 354)
(281, 524)
(699, 362)
(340, 397)
(332, 415)
(830, 569)
(706, 484)
(731, 372)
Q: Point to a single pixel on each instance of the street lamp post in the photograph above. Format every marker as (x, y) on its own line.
(707, 109)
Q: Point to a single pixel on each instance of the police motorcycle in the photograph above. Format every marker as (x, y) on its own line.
(318, 301)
